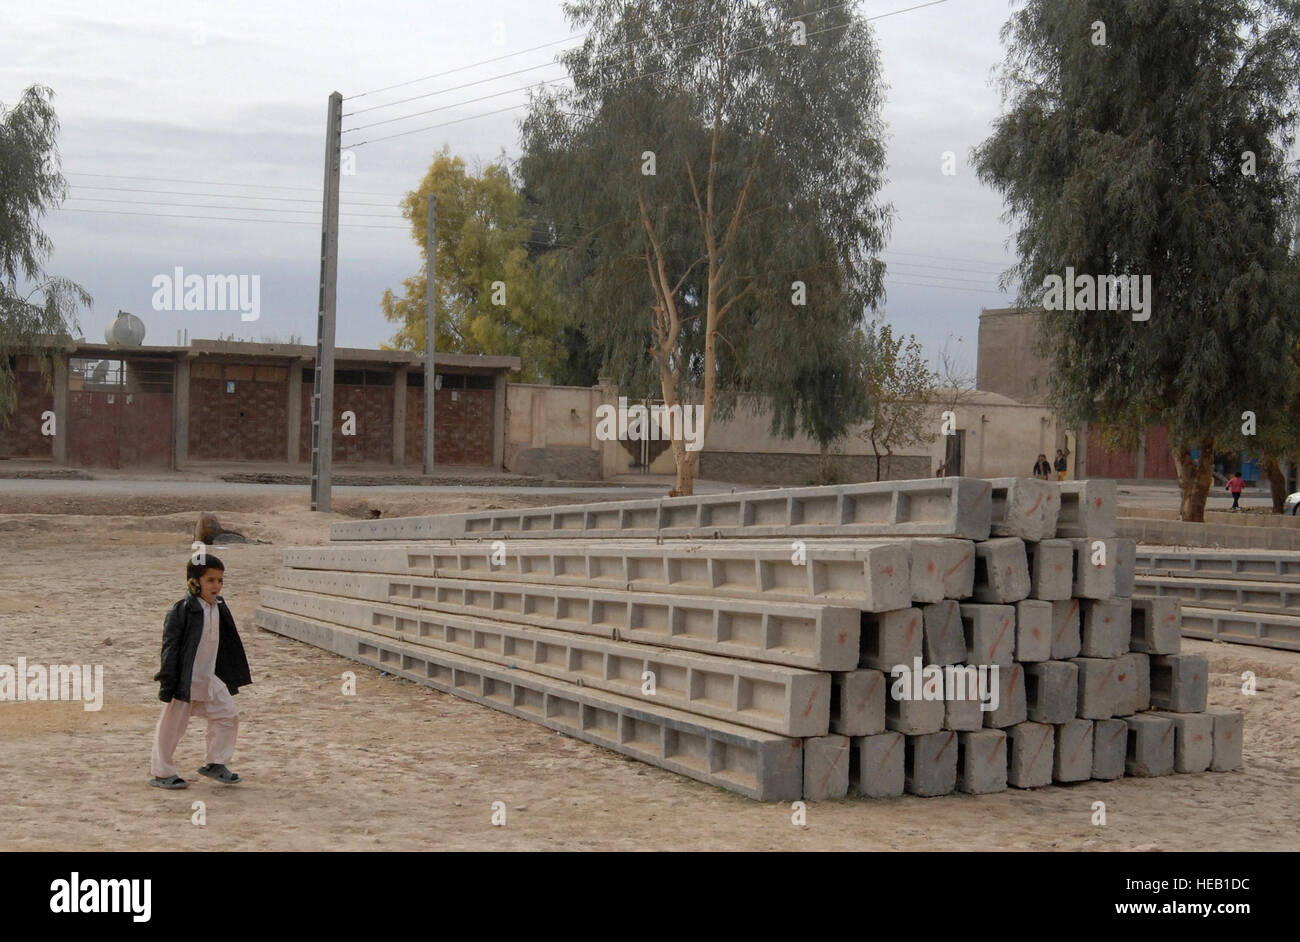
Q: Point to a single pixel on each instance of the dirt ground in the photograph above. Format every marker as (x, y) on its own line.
(403, 767)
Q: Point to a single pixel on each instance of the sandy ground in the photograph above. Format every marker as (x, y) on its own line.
(404, 767)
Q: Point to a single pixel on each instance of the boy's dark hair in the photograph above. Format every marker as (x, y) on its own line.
(1238, 474)
(194, 571)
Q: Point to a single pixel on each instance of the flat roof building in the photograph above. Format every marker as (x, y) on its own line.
(221, 401)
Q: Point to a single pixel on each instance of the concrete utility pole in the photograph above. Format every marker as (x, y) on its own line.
(322, 397)
(430, 339)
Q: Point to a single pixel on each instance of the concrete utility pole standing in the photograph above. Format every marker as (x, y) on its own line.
(430, 340)
(322, 397)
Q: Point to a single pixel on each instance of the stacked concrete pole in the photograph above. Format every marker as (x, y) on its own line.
(1241, 596)
(912, 637)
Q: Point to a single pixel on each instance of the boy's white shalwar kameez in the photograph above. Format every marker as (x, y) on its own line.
(209, 697)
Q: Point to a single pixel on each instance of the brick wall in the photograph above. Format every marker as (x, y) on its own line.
(373, 441)
(22, 438)
(248, 424)
(462, 431)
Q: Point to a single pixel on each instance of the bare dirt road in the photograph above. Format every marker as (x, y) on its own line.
(86, 579)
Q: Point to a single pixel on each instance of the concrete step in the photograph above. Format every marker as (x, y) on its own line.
(1264, 565)
(782, 700)
(759, 765)
(1215, 535)
(874, 577)
(816, 637)
(1253, 595)
(953, 507)
(1263, 630)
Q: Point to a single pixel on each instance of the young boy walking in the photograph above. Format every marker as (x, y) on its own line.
(203, 666)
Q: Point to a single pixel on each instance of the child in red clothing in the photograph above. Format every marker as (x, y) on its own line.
(1235, 485)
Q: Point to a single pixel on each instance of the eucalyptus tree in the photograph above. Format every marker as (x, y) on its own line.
(711, 181)
(1142, 154)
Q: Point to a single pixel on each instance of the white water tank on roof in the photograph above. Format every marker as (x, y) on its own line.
(126, 331)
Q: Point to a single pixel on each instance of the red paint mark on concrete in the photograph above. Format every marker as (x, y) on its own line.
(1078, 745)
(839, 754)
(1045, 740)
(998, 642)
(961, 562)
(870, 691)
(811, 701)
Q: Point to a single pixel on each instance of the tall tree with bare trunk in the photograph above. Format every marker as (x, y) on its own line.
(1149, 139)
(711, 181)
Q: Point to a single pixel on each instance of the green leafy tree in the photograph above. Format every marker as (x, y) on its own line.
(901, 390)
(710, 184)
(1150, 138)
(493, 297)
(33, 304)
(1277, 435)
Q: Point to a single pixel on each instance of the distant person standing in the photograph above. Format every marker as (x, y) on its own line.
(1042, 470)
(1236, 485)
(1060, 465)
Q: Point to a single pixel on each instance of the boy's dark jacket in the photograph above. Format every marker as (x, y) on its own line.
(182, 630)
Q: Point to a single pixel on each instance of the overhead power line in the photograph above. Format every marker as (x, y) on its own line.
(463, 68)
(258, 186)
(878, 16)
(244, 209)
(944, 258)
(942, 287)
(582, 35)
(531, 68)
(282, 222)
(454, 88)
(230, 196)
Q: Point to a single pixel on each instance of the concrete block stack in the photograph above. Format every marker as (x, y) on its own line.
(1241, 596)
(910, 637)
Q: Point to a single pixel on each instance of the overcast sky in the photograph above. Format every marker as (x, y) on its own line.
(234, 92)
